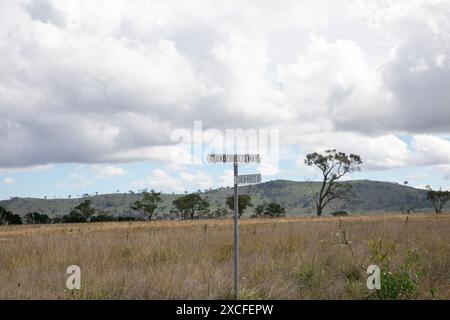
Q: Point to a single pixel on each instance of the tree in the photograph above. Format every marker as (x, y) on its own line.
(272, 210)
(333, 166)
(30, 217)
(85, 209)
(81, 213)
(259, 211)
(7, 217)
(74, 217)
(218, 213)
(189, 204)
(339, 214)
(438, 199)
(244, 201)
(37, 218)
(148, 204)
(57, 219)
(15, 219)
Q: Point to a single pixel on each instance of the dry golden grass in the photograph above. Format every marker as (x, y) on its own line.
(290, 258)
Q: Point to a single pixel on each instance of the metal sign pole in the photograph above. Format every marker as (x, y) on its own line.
(236, 217)
(246, 179)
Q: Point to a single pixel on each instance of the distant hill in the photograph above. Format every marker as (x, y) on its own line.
(372, 197)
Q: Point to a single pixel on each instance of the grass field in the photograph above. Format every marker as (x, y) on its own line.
(290, 258)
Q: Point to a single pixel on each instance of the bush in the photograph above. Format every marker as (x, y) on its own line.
(103, 218)
(403, 282)
(272, 210)
(37, 218)
(7, 217)
(57, 219)
(74, 217)
(339, 214)
(125, 219)
(15, 219)
(219, 213)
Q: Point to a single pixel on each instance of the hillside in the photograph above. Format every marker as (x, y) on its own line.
(371, 197)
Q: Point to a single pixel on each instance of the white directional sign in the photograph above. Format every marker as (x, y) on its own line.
(234, 158)
(249, 179)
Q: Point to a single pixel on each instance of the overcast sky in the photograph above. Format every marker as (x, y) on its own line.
(91, 91)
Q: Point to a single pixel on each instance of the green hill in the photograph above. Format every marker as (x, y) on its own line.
(371, 197)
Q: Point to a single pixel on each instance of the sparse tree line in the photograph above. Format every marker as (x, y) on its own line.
(333, 166)
(193, 206)
(188, 207)
(82, 213)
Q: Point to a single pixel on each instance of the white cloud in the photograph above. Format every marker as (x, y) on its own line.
(268, 169)
(227, 178)
(9, 180)
(162, 181)
(333, 80)
(431, 150)
(26, 169)
(107, 82)
(109, 171)
(379, 152)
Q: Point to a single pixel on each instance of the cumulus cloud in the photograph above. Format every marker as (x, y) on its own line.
(227, 178)
(109, 171)
(44, 11)
(380, 152)
(108, 82)
(430, 150)
(414, 76)
(161, 180)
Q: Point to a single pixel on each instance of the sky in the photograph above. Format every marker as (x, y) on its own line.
(106, 96)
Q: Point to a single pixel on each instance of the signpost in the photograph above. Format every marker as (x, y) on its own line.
(249, 179)
(246, 179)
(234, 158)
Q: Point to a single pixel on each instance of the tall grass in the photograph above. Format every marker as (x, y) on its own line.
(290, 258)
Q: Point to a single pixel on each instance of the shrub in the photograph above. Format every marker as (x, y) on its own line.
(37, 218)
(272, 210)
(339, 214)
(15, 219)
(74, 217)
(103, 218)
(7, 217)
(124, 219)
(403, 282)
